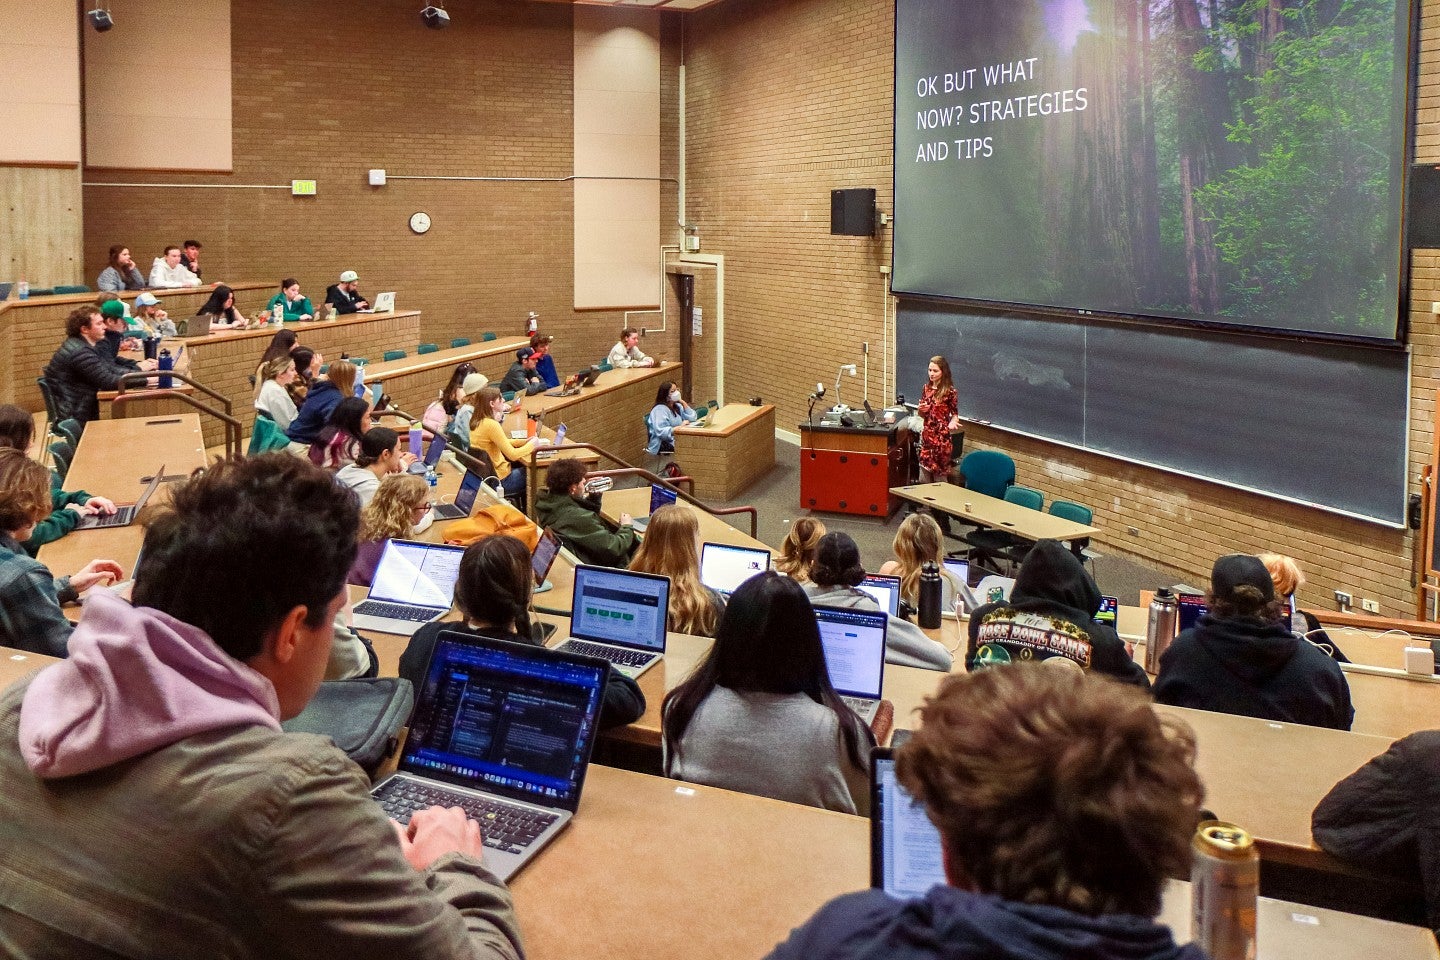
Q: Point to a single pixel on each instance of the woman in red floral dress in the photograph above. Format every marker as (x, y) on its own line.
(939, 411)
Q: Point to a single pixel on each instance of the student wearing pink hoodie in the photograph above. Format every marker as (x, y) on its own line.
(152, 807)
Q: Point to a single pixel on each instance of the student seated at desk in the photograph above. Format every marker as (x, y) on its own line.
(487, 433)
(575, 517)
(120, 273)
(168, 273)
(281, 345)
(626, 353)
(759, 715)
(669, 412)
(78, 371)
(544, 360)
(147, 318)
(440, 414)
(493, 594)
(30, 598)
(273, 397)
(797, 552)
(379, 456)
(1063, 804)
(345, 295)
(1050, 614)
(153, 806)
(671, 549)
(1386, 816)
(338, 442)
(221, 305)
(1242, 658)
(833, 581)
(397, 509)
(116, 339)
(290, 303)
(521, 378)
(917, 541)
(1288, 578)
(321, 400)
(17, 431)
(307, 368)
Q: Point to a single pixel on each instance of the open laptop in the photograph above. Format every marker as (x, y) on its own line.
(414, 584)
(905, 847)
(1109, 612)
(5, 288)
(660, 496)
(619, 616)
(555, 444)
(384, 303)
(854, 642)
(588, 376)
(964, 595)
(199, 325)
(464, 499)
(547, 548)
(724, 567)
(432, 455)
(504, 731)
(124, 516)
(885, 590)
(1191, 608)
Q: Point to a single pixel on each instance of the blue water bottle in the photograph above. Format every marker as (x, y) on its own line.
(167, 362)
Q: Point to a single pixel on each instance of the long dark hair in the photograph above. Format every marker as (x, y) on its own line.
(17, 427)
(495, 583)
(302, 357)
(216, 305)
(345, 418)
(662, 397)
(448, 399)
(281, 345)
(768, 642)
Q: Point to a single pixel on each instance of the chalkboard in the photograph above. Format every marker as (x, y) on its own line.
(1317, 423)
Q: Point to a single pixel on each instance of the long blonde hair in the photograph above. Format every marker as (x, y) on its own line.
(669, 549)
(388, 514)
(342, 374)
(797, 553)
(918, 539)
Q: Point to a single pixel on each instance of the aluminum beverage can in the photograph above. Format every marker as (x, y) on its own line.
(1224, 887)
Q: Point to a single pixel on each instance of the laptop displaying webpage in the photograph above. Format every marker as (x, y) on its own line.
(1109, 612)
(661, 496)
(420, 574)
(517, 723)
(724, 568)
(616, 606)
(854, 642)
(910, 857)
(1192, 608)
(885, 590)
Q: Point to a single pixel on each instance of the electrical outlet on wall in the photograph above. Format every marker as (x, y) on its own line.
(1344, 599)
(1370, 606)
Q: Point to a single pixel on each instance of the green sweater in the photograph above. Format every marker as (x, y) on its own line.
(578, 525)
(293, 311)
(60, 521)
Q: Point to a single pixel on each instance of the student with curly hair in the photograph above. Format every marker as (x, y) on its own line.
(797, 553)
(493, 594)
(670, 548)
(401, 504)
(1063, 803)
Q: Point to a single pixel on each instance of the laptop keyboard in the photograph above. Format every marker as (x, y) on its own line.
(626, 658)
(858, 704)
(394, 611)
(119, 518)
(505, 827)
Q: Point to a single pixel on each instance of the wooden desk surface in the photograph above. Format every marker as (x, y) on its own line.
(268, 331)
(636, 502)
(993, 512)
(446, 359)
(728, 419)
(552, 407)
(18, 664)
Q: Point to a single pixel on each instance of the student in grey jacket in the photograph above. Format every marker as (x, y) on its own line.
(759, 714)
(222, 834)
(833, 579)
(121, 273)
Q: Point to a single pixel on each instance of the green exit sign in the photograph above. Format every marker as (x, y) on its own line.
(302, 188)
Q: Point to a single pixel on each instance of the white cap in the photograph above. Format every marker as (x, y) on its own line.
(146, 299)
(349, 276)
(474, 383)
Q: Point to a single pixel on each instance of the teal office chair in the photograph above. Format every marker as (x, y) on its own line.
(62, 452)
(70, 430)
(71, 288)
(987, 471)
(1078, 514)
(487, 337)
(508, 395)
(425, 348)
(994, 547)
(460, 342)
(394, 354)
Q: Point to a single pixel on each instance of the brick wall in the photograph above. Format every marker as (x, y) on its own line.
(789, 99)
(327, 97)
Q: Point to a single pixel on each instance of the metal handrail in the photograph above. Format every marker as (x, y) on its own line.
(233, 428)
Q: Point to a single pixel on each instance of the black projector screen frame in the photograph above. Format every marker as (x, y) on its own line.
(1227, 164)
(1318, 423)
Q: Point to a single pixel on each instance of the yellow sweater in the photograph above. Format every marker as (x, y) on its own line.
(489, 436)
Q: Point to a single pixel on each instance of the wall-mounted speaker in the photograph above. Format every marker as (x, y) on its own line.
(1422, 214)
(852, 212)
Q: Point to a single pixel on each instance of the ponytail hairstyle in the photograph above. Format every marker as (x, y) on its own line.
(374, 444)
(797, 553)
(495, 584)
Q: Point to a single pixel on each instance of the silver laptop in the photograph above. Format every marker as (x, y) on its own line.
(124, 516)
(414, 584)
(199, 325)
(504, 731)
(724, 567)
(619, 616)
(464, 498)
(384, 303)
(885, 590)
(964, 593)
(660, 495)
(854, 642)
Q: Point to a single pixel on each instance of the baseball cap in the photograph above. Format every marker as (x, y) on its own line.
(146, 300)
(112, 309)
(474, 383)
(1241, 570)
(524, 353)
(349, 276)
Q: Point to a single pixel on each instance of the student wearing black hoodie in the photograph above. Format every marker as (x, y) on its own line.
(1063, 803)
(1050, 613)
(1241, 657)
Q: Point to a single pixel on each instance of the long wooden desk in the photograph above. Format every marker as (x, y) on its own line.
(415, 381)
(34, 328)
(994, 512)
(732, 452)
(610, 414)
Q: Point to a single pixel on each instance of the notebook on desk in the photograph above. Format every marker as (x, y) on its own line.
(504, 731)
(124, 516)
(619, 616)
(854, 644)
(414, 584)
(906, 857)
(724, 567)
